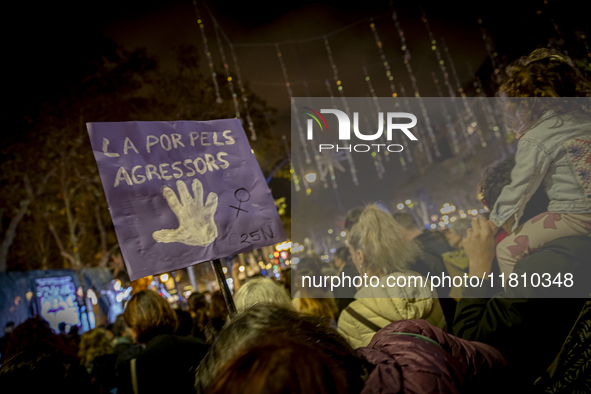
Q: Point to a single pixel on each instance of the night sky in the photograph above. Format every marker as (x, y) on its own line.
(48, 47)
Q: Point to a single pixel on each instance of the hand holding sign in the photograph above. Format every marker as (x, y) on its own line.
(196, 221)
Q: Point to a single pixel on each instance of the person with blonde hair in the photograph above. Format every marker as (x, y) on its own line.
(380, 249)
(261, 291)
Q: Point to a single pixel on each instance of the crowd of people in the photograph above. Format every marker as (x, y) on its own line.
(379, 339)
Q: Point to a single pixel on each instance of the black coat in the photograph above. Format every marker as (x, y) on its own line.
(433, 244)
(529, 324)
(431, 263)
(346, 295)
(167, 363)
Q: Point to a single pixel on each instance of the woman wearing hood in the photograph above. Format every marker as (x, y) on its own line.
(380, 249)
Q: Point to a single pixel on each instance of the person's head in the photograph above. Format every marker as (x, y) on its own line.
(218, 308)
(207, 295)
(280, 365)
(37, 369)
(121, 329)
(74, 331)
(317, 304)
(62, 327)
(94, 343)
(544, 73)
(197, 303)
(458, 231)
(351, 219)
(185, 323)
(32, 330)
(261, 291)
(286, 279)
(308, 266)
(408, 222)
(342, 256)
(378, 244)
(253, 325)
(149, 315)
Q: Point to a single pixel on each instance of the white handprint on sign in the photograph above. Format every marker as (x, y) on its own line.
(196, 221)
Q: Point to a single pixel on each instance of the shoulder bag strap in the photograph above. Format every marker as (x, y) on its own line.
(363, 320)
(134, 376)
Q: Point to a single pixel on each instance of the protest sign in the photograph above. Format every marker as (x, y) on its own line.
(183, 192)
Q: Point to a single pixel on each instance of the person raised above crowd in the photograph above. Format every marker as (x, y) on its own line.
(497, 177)
(511, 319)
(379, 248)
(547, 107)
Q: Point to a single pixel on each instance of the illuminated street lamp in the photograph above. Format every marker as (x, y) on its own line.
(311, 177)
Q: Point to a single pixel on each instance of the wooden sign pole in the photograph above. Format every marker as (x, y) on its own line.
(219, 274)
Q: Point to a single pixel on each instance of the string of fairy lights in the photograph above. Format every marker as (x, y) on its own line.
(339, 84)
(413, 80)
(428, 146)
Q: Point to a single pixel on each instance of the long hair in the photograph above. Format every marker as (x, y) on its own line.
(383, 241)
(259, 323)
(323, 307)
(281, 365)
(149, 315)
(544, 80)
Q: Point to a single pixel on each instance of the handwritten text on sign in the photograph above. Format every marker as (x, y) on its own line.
(183, 192)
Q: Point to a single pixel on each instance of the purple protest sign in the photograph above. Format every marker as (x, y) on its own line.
(183, 192)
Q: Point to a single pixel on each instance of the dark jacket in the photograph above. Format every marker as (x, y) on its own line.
(432, 244)
(412, 356)
(167, 361)
(430, 265)
(529, 324)
(431, 259)
(346, 295)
